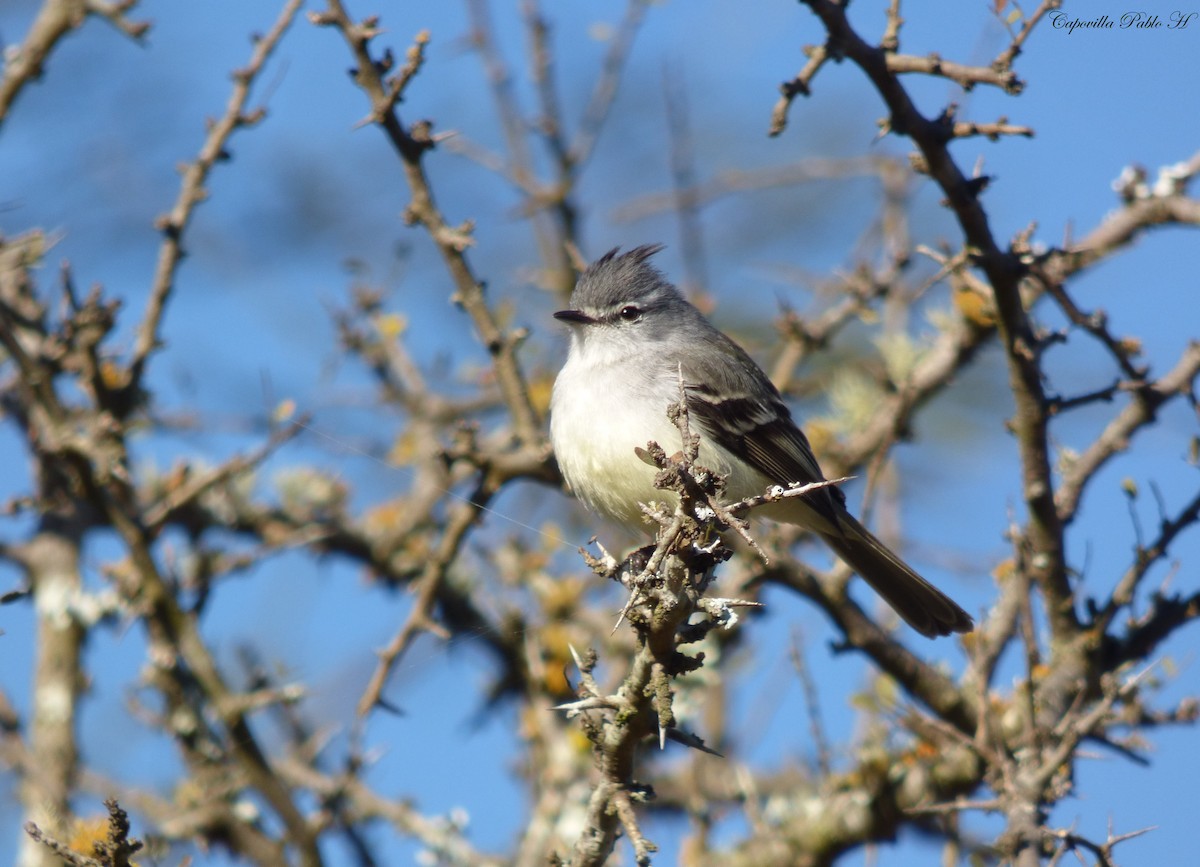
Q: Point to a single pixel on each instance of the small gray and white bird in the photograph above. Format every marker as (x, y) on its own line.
(631, 335)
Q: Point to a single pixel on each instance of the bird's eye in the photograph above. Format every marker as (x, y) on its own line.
(631, 313)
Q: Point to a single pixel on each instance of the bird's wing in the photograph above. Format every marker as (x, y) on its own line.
(738, 408)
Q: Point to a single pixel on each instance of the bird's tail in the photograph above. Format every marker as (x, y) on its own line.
(925, 608)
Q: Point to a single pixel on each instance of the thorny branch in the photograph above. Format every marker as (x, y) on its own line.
(385, 91)
(665, 586)
(192, 192)
(1028, 785)
(26, 62)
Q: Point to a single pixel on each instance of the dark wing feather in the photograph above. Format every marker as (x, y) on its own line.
(737, 407)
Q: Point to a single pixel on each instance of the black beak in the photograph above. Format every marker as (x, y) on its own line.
(573, 317)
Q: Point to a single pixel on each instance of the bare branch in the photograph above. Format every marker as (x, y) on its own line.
(25, 63)
(192, 192)
(452, 242)
(1146, 400)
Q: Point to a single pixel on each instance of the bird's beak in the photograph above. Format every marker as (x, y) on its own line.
(573, 317)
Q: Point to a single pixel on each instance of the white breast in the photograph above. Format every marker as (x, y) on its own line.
(602, 409)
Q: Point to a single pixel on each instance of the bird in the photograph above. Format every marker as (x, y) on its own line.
(634, 342)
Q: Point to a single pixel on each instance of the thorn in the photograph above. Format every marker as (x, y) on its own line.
(691, 740)
(389, 707)
(633, 594)
(592, 702)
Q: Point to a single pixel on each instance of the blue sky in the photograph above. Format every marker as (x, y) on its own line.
(89, 153)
